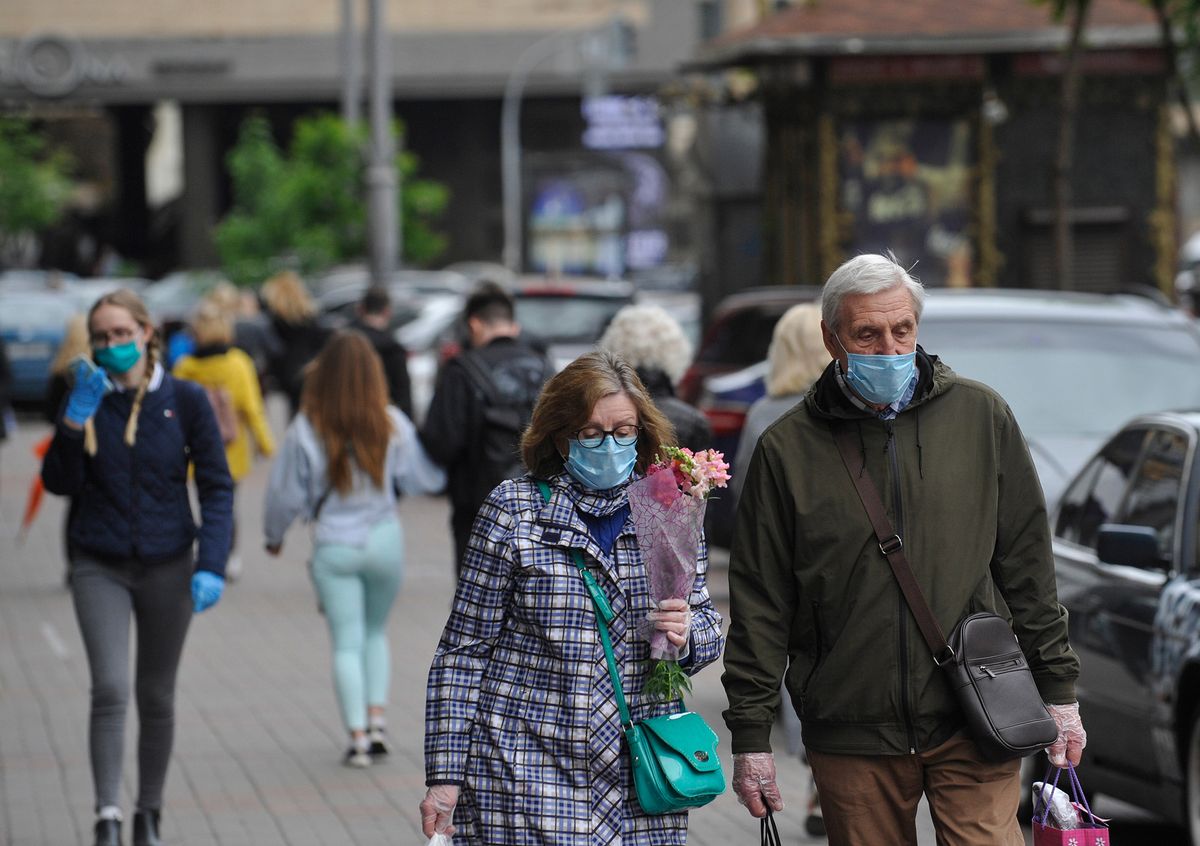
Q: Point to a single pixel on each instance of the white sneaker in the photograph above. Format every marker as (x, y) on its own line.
(233, 568)
(357, 758)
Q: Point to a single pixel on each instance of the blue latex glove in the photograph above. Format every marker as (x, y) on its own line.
(91, 384)
(206, 590)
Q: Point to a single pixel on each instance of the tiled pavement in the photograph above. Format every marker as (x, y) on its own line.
(258, 740)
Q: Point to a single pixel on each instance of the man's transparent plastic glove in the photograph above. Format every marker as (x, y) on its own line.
(437, 809)
(1071, 736)
(754, 782)
(91, 384)
(207, 588)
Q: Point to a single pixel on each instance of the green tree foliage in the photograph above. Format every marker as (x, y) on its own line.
(34, 181)
(305, 208)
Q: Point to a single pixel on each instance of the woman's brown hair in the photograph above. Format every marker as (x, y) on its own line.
(132, 303)
(288, 299)
(567, 401)
(345, 398)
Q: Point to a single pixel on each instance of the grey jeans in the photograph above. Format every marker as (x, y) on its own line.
(107, 594)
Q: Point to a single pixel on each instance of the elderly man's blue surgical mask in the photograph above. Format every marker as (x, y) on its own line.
(601, 467)
(879, 379)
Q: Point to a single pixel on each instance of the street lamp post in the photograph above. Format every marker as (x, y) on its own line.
(382, 228)
(616, 34)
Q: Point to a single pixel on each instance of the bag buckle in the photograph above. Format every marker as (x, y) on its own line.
(891, 545)
(944, 656)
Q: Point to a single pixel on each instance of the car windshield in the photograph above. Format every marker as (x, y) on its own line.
(34, 313)
(566, 319)
(1072, 378)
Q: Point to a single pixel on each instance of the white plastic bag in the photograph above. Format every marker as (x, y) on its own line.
(441, 840)
(1062, 813)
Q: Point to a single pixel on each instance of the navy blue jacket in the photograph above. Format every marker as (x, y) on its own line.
(132, 502)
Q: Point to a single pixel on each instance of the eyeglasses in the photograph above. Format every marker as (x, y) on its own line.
(590, 437)
(120, 335)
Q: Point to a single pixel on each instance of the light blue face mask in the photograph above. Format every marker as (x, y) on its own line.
(602, 467)
(879, 379)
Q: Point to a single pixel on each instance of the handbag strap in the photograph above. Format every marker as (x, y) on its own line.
(768, 833)
(1042, 814)
(604, 613)
(892, 546)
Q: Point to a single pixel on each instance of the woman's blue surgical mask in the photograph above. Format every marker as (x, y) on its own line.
(601, 467)
(118, 359)
(879, 379)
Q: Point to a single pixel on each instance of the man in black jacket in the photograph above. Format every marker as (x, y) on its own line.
(374, 320)
(481, 406)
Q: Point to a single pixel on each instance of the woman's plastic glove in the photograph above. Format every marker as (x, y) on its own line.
(754, 782)
(1071, 737)
(91, 384)
(674, 617)
(206, 590)
(437, 809)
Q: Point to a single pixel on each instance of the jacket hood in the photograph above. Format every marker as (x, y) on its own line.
(826, 401)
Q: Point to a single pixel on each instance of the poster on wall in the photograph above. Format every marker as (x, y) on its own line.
(906, 184)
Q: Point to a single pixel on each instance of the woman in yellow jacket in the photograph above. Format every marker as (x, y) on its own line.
(229, 376)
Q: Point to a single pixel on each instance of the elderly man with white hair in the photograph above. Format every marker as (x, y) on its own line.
(813, 601)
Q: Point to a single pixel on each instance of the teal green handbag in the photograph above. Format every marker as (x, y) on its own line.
(674, 757)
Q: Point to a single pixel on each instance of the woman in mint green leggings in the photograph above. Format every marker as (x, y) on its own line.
(343, 458)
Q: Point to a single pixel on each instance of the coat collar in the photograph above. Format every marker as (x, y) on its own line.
(561, 525)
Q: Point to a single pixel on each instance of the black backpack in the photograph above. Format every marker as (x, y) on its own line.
(507, 391)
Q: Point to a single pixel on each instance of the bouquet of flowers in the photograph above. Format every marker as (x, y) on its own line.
(667, 508)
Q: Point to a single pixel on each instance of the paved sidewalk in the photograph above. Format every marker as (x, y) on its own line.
(258, 740)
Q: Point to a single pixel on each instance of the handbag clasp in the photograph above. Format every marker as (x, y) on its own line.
(891, 545)
(944, 656)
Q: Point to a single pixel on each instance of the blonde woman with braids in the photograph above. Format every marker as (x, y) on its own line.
(121, 450)
(344, 457)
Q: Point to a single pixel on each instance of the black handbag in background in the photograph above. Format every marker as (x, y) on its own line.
(983, 661)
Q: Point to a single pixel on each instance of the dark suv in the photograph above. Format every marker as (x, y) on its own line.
(1126, 553)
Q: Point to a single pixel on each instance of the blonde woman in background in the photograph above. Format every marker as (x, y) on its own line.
(293, 317)
(230, 377)
(796, 357)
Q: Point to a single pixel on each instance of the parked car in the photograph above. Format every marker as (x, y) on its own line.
(343, 287)
(1127, 555)
(566, 317)
(1073, 366)
(32, 324)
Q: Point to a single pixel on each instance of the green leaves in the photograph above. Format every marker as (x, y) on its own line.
(34, 181)
(306, 208)
(667, 682)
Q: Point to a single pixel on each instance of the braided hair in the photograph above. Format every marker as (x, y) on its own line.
(132, 303)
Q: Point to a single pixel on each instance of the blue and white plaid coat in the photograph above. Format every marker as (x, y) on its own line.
(519, 708)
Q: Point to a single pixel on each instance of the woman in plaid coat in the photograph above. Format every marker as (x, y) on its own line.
(522, 737)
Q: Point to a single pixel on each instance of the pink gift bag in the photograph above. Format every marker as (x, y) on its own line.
(1092, 830)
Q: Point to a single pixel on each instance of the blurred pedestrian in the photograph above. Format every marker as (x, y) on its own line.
(293, 316)
(121, 451)
(522, 734)
(344, 457)
(811, 595)
(653, 343)
(795, 359)
(482, 403)
(228, 377)
(252, 333)
(374, 320)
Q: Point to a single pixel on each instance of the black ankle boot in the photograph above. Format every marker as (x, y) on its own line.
(108, 833)
(145, 829)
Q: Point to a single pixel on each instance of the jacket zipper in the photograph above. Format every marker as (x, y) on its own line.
(894, 460)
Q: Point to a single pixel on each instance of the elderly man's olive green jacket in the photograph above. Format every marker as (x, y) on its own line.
(810, 590)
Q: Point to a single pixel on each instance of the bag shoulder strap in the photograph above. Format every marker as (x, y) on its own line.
(480, 377)
(891, 545)
(603, 615)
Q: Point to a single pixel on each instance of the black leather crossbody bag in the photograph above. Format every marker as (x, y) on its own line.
(982, 660)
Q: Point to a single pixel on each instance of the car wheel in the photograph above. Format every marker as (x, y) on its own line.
(1192, 796)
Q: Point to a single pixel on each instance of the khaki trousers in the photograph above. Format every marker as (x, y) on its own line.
(871, 800)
